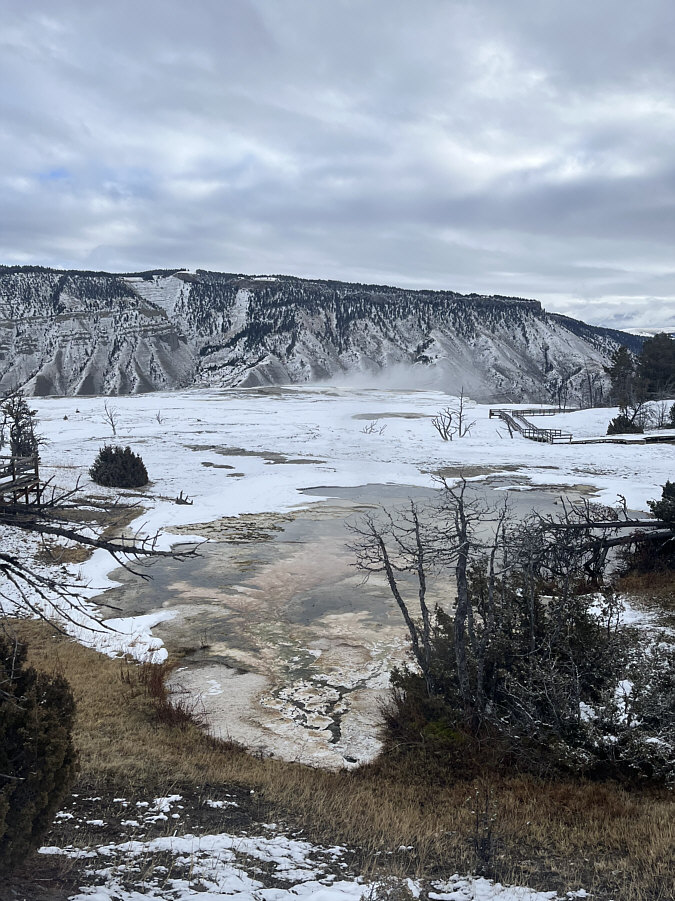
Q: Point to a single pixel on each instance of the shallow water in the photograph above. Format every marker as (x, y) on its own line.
(287, 646)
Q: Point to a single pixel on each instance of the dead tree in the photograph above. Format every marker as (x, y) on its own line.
(523, 622)
(525, 659)
(395, 545)
(455, 543)
(659, 415)
(590, 532)
(463, 424)
(452, 421)
(56, 517)
(416, 544)
(111, 417)
(443, 423)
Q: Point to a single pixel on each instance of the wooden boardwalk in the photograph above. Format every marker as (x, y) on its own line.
(668, 437)
(517, 422)
(20, 481)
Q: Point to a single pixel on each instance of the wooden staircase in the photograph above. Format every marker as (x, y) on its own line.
(517, 422)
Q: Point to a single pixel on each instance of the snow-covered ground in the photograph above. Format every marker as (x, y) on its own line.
(244, 867)
(214, 867)
(239, 451)
(326, 433)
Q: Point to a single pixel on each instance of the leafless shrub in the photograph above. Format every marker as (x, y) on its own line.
(659, 415)
(453, 421)
(443, 423)
(374, 429)
(111, 417)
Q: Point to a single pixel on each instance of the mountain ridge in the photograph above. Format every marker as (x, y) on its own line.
(82, 332)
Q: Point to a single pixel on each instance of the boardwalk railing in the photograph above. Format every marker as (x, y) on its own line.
(18, 466)
(19, 478)
(516, 421)
(544, 411)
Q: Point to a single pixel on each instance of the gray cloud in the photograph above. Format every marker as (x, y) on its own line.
(520, 148)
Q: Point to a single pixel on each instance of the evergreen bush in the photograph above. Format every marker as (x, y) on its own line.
(598, 700)
(623, 425)
(118, 467)
(37, 758)
(665, 508)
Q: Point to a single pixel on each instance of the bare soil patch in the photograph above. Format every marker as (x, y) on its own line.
(267, 456)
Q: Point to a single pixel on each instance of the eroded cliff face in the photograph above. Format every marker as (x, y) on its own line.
(86, 334)
(99, 333)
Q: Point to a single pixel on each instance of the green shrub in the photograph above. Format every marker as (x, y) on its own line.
(665, 508)
(617, 720)
(562, 687)
(623, 425)
(37, 759)
(118, 467)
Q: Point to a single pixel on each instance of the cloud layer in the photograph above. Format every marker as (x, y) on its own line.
(517, 148)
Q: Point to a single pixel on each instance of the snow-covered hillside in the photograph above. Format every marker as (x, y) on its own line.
(97, 333)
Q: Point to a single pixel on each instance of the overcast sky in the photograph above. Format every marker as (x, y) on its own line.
(523, 147)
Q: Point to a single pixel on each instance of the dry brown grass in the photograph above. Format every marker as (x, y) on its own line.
(614, 842)
(57, 554)
(655, 586)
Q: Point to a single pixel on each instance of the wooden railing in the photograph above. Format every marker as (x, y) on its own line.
(515, 419)
(20, 478)
(17, 467)
(545, 411)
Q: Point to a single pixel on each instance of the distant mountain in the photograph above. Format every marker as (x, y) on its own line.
(650, 332)
(72, 332)
(633, 340)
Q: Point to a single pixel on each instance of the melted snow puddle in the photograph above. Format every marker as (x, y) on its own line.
(284, 647)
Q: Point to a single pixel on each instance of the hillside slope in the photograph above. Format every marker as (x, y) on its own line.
(101, 333)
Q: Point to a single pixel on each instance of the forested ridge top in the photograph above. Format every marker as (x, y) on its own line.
(259, 280)
(331, 288)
